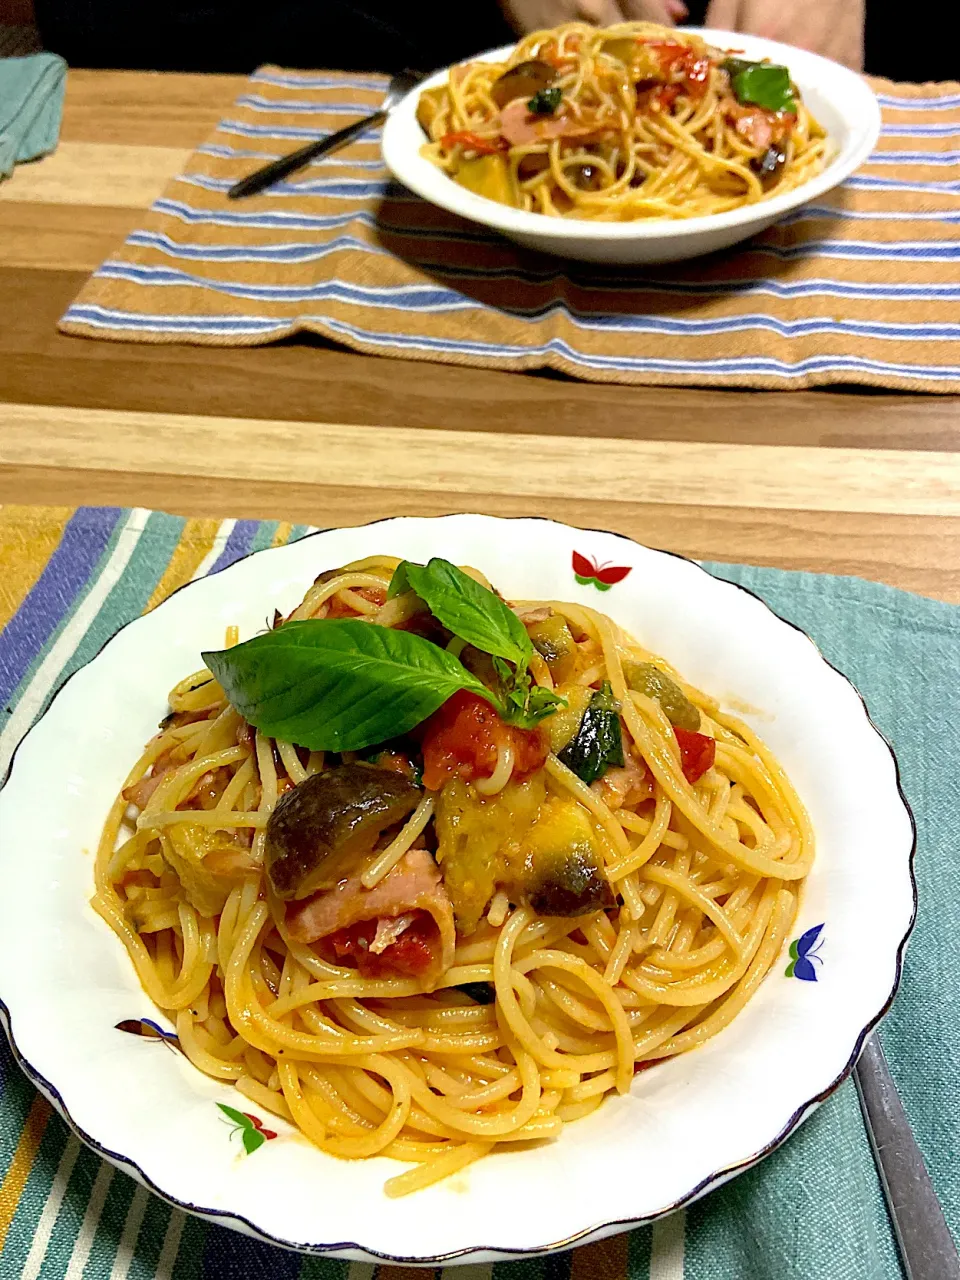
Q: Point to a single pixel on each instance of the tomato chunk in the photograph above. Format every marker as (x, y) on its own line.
(341, 609)
(411, 955)
(463, 740)
(697, 753)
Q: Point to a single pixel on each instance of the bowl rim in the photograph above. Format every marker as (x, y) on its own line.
(609, 1227)
(421, 177)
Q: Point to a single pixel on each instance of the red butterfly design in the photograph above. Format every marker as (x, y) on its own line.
(603, 576)
(258, 1125)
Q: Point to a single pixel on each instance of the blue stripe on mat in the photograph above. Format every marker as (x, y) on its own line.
(85, 538)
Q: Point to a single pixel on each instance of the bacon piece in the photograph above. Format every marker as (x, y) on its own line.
(519, 127)
(755, 127)
(141, 791)
(414, 884)
(631, 784)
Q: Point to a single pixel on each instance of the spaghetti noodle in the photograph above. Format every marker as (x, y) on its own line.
(616, 124)
(471, 934)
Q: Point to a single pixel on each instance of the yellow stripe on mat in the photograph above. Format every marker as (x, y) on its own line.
(22, 1162)
(28, 538)
(196, 541)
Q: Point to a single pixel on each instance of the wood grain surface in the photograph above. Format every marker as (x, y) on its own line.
(841, 482)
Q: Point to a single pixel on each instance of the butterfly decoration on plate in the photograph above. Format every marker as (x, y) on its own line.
(147, 1029)
(603, 576)
(804, 955)
(251, 1128)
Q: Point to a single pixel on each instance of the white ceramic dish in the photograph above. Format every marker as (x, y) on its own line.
(841, 100)
(688, 1125)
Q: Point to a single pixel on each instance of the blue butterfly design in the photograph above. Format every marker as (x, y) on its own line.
(804, 951)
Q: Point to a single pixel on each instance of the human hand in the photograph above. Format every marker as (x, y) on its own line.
(833, 28)
(535, 15)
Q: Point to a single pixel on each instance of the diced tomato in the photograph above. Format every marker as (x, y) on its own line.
(395, 762)
(663, 99)
(688, 72)
(463, 739)
(473, 142)
(697, 753)
(339, 609)
(411, 955)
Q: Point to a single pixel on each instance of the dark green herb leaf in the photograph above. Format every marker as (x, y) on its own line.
(340, 684)
(543, 702)
(464, 607)
(252, 1139)
(523, 705)
(761, 83)
(399, 583)
(481, 992)
(545, 102)
(598, 743)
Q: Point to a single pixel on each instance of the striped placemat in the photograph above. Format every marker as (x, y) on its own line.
(812, 1211)
(861, 287)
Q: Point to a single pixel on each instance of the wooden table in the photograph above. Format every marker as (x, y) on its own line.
(848, 482)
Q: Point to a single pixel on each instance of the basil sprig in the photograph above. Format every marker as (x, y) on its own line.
(338, 684)
(478, 616)
(764, 84)
(545, 102)
(471, 611)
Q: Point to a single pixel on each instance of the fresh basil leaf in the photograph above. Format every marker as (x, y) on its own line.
(399, 583)
(338, 684)
(733, 66)
(543, 702)
(598, 743)
(763, 84)
(523, 705)
(469, 610)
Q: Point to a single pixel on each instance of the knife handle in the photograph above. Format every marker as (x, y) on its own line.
(927, 1249)
(271, 173)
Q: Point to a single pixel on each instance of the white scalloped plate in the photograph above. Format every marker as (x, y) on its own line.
(687, 1125)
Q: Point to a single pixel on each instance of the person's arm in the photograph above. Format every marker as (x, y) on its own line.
(833, 28)
(534, 15)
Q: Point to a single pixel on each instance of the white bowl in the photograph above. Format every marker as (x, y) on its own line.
(686, 1126)
(840, 99)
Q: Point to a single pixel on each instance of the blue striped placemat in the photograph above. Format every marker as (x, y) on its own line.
(861, 287)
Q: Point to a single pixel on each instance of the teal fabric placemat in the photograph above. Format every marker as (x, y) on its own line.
(31, 107)
(811, 1211)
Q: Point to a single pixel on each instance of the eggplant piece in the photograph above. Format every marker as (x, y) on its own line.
(479, 992)
(563, 872)
(586, 177)
(553, 640)
(598, 743)
(531, 166)
(320, 831)
(522, 81)
(769, 166)
(644, 677)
